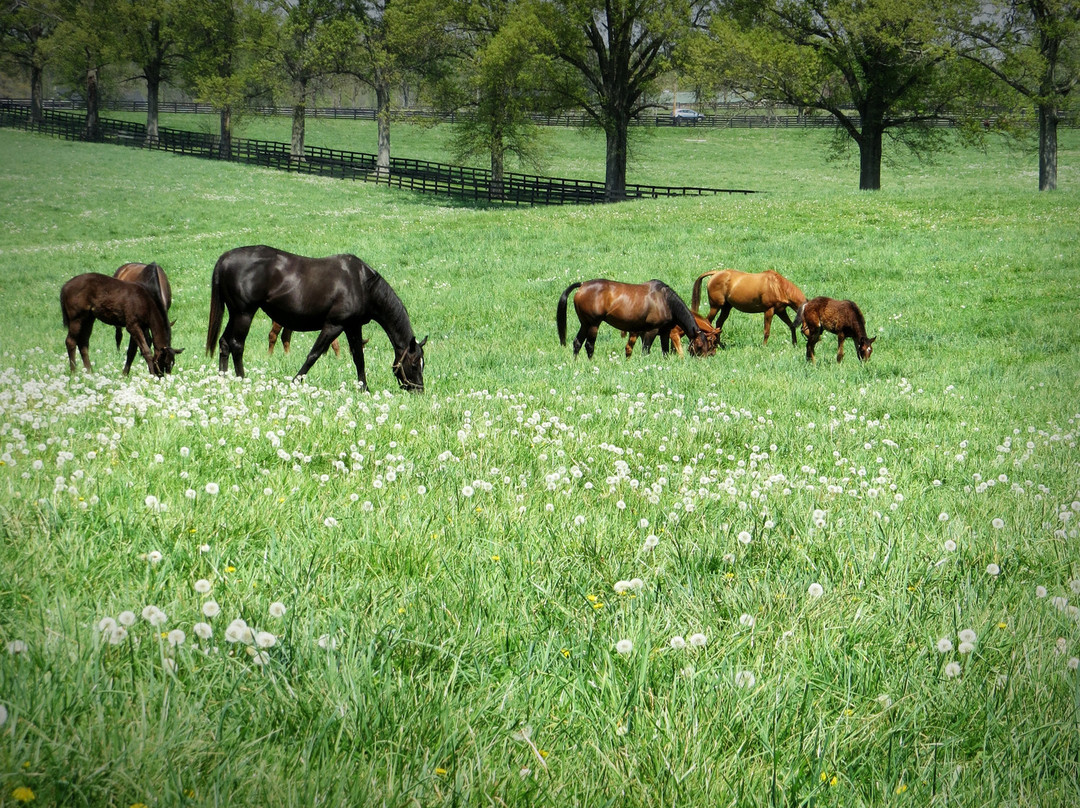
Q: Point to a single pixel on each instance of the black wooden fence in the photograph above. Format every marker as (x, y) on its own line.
(462, 182)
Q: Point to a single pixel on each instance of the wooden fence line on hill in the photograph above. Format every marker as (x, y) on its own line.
(462, 182)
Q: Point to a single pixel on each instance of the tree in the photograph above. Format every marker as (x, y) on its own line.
(84, 42)
(308, 40)
(24, 33)
(149, 38)
(223, 57)
(878, 66)
(498, 82)
(391, 38)
(615, 50)
(1033, 46)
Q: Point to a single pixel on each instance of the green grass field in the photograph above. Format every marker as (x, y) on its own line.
(739, 580)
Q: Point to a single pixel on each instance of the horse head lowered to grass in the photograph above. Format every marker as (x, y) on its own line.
(841, 317)
(630, 307)
(330, 295)
(93, 296)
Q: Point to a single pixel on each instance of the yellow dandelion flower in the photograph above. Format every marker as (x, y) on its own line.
(565, 652)
(824, 777)
(1003, 625)
(494, 558)
(591, 598)
(900, 789)
(440, 771)
(138, 805)
(834, 780)
(230, 568)
(23, 794)
(543, 753)
(189, 793)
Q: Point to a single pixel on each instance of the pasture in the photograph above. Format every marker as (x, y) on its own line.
(732, 580)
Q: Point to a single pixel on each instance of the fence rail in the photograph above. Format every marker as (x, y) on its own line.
(731, 115)
(462, 182)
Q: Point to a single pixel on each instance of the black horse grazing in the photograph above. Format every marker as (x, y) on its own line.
(329, 295)
(631, 307)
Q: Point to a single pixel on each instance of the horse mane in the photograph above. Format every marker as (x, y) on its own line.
(389, 311)
(859, 321)
(680, 312)
(789, 290)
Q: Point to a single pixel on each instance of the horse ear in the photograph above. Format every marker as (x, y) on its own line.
(176, 351)
(172, 323)
(421, 343)
(871, 340)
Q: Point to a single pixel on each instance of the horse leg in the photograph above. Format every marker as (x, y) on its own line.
(590, 339)
(839, 348)
(131, 349)
(812, 337)
(232, 341)
(74, 340)
(286, 339)
(582, 339)
(328, 334)
(630, 342)
(783, 315)
(275, 329)
(665, 341)
(355, 336)
(336, 347)
(768, 325)
(724, 312)
(137, 336)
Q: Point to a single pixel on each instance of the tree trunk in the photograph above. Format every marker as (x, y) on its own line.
(870, 157)
(225, 142)
(1048, 123)
(37, 74)
(153, 92)
(498, 158)
(615, 168)
(382, 114)
(92, 130)
(299, 122)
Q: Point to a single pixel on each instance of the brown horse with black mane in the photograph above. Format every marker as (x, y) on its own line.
(841, 317)
(150, 276)
(93, 296)
(711, 334)
(766, 292)
(632, 307)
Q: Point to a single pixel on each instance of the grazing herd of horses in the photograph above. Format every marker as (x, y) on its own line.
(649, 310)
(340, 294)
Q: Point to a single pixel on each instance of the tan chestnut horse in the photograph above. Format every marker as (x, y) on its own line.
(632, 307)
(286, 339)
(841, 317)
(92, 296)
(766, 292)
(712, 335)
(156, 282)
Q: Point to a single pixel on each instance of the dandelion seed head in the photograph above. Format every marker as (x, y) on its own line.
(624, 647)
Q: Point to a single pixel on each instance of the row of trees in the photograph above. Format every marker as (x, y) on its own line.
(883, 68)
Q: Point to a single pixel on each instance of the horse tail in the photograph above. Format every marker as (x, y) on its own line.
(560, 312)
(695, 297)
(217, 309)
(799, 315)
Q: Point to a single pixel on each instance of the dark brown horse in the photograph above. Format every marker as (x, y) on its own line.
(841, 317)
(631, 307)
(329, 295)
(766, 292)
(92, 296)
(712, 337)
(286, 339)
(156, 282)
